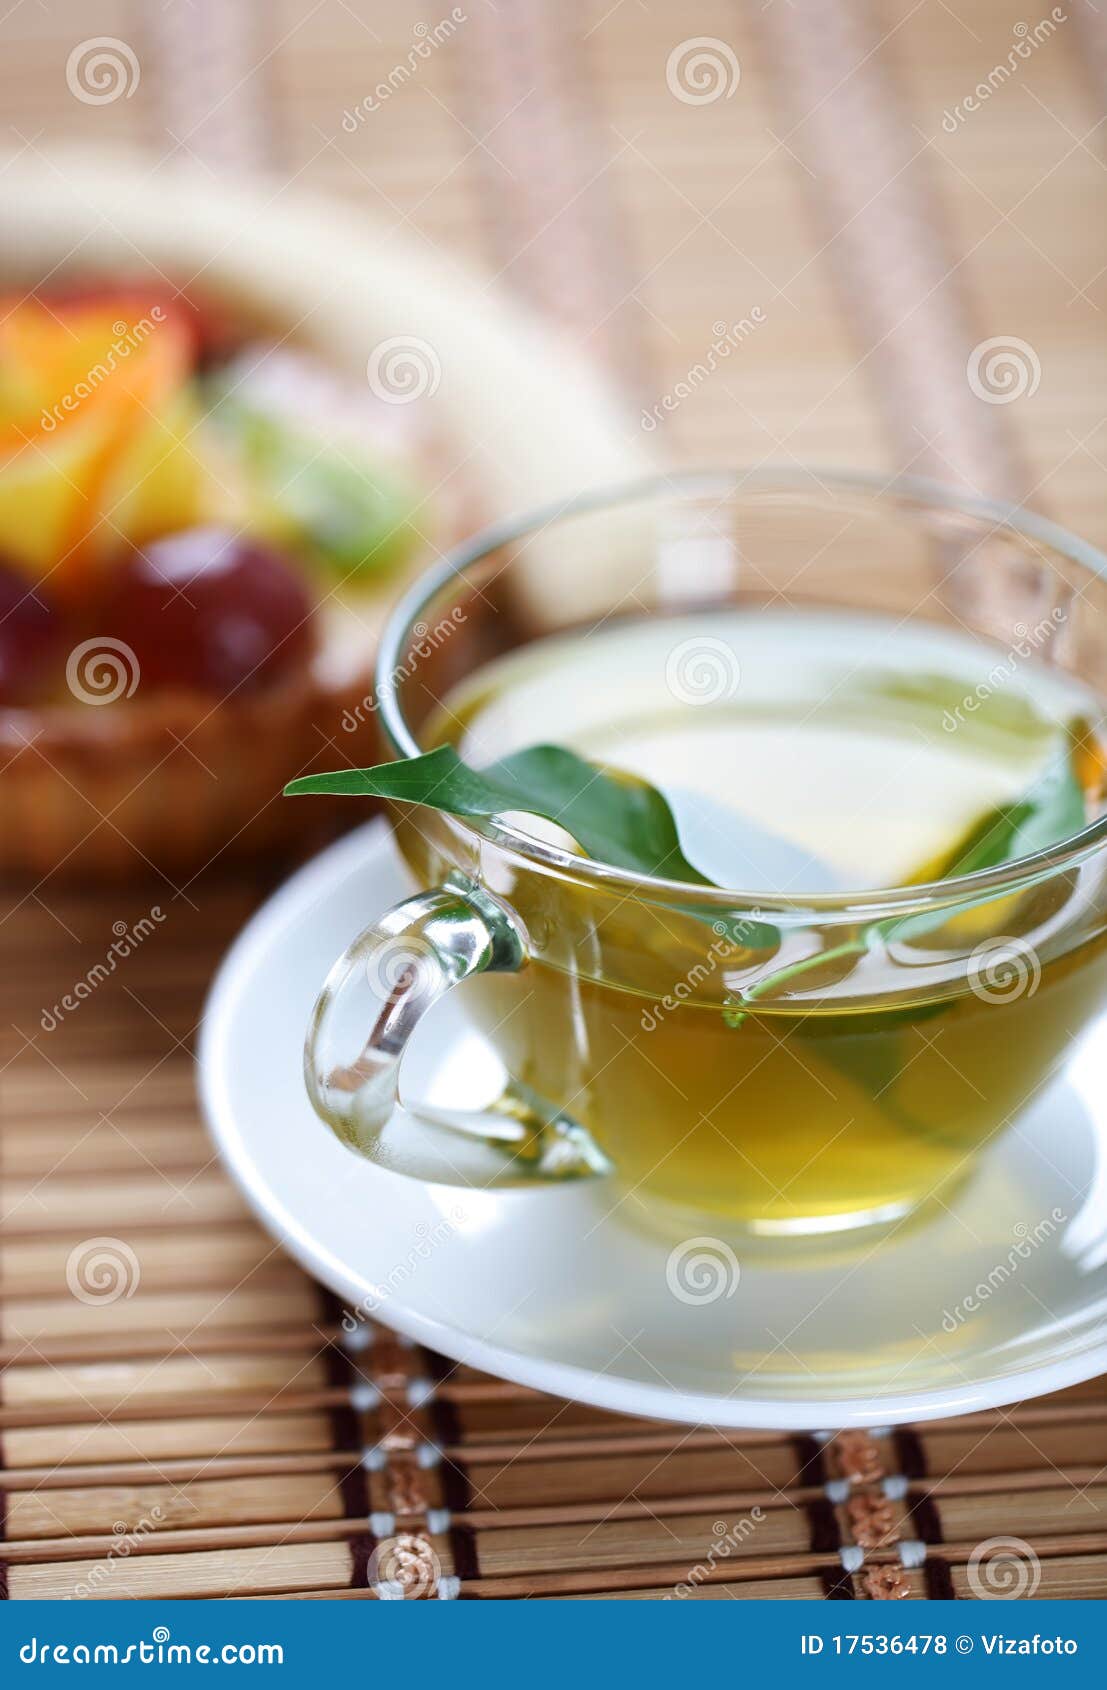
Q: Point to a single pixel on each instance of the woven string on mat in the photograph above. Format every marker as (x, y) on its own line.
(901, 289)
(1090, 47)
(210, 59)
(546, 168)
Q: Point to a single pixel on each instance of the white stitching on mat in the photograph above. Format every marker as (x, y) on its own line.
(375, 1457)
(895, 1488)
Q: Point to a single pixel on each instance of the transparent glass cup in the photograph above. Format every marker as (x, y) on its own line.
(656, 1034)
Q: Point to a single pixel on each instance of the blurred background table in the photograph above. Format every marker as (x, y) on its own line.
(203, 1435)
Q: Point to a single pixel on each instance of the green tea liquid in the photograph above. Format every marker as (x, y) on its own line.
(802, 753)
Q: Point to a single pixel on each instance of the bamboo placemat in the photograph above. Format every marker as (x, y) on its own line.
(183, 1413)
(193, 1419)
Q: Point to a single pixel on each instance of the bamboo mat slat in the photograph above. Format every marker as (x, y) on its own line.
(205, 1436)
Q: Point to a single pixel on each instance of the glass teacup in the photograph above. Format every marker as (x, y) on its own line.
(724, 1059)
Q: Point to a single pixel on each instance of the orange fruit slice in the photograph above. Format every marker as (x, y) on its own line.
(97, 435)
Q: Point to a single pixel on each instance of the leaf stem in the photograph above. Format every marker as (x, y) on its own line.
(857, 946)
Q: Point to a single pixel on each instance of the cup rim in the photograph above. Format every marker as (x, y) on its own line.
(848, 905)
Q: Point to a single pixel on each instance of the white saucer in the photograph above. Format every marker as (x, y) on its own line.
(1000, 1297)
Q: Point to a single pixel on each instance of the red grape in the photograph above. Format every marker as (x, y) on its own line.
(205, 609)
(28, 639)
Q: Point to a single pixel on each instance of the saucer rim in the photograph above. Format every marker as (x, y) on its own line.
(557, 1378)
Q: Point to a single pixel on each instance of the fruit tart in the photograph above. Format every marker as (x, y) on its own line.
(200, 532)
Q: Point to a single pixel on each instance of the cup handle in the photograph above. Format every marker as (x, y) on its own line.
(371, 1002)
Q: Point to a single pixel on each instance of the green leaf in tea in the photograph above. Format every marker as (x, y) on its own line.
(617, 818)
(613, 818)
(1053, 808)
